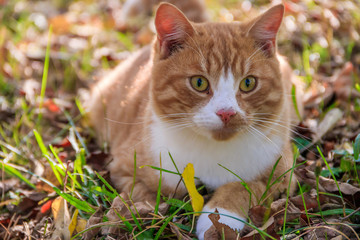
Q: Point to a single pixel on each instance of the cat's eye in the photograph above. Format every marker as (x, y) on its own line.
(248, 84)
(199, 83)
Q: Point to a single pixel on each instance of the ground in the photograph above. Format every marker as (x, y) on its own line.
(53, 180)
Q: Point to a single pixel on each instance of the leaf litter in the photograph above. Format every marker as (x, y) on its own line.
(321, 41)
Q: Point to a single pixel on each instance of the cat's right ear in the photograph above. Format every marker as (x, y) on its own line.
(172, 29)
(265, 28)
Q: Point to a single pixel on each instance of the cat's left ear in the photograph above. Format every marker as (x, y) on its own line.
(172, 28)
(265, 28)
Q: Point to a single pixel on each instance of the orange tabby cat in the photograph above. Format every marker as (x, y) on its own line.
(209, 94)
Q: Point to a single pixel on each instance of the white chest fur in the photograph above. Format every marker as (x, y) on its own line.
(247, 155)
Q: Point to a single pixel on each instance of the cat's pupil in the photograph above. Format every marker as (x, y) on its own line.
(199, 82)
(247, 82)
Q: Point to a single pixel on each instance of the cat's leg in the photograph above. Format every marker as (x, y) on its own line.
(233, 200)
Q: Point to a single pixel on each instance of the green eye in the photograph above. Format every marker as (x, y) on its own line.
(248, 84)
(199, 83)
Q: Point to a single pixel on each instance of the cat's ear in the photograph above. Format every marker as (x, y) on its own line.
(265, 28)
(172, 28)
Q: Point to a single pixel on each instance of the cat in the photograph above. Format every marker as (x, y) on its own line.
(208, 94)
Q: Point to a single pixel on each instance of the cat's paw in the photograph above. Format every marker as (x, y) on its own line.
(204, 222)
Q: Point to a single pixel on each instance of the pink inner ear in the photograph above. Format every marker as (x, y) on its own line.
(267, 26)
(171, 24)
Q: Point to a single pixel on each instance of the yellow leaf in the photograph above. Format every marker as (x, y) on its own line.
(197, 201)
(81, 225)
(73, 222)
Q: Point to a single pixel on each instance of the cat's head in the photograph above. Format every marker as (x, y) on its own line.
(216, 78)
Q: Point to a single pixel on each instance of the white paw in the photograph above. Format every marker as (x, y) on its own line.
(204, 223)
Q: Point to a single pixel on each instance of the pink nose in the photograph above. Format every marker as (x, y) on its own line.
(225, 114)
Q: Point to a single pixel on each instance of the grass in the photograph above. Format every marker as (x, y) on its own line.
(31, 134)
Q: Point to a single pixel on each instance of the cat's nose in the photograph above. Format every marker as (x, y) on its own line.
(225, 114)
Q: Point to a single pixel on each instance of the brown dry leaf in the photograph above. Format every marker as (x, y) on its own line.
(50, 176)
(98, 160)
(61, 219)
(221, 229)
(310, 201)
(93, 220)
(337, 238)
(292, 213)
(257, 215)
(349, 192)
(211, 233)
(117, 207)
(269, 227)
(329, 122)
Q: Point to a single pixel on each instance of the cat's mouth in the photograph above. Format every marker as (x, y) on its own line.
(225, 133)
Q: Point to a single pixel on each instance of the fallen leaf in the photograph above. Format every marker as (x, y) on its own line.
(64, 143)
(349, 192)
(93, 220)
(197, 201)
(73, 222)
(257, 214)
(46, 207)
(211, 233)
(222, 230)
(51, 106)
(329, 122)
(81, 225)
(61, 219)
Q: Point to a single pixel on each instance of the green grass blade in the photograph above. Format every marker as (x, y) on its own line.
(41, 144)
(44, 77)
(167, 220)
(331, 172)
(357, 87)
(357, 147)
(57, 157)
(161, 169)
(248, 189)
(269, 179)
(296, 155)
(338, 211)
(293, 96)
(134, 176)
(81, 140)
(79, 204)
(156, 210)
(78, 163)
(12, 171)
(303, 200)
(126, 205)
(178, 203)
(54, 169)
(80, 107)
